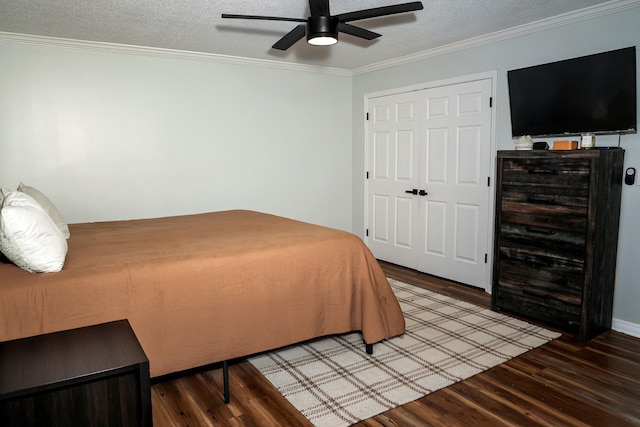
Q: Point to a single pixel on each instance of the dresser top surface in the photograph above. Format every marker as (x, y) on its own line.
(590, 153)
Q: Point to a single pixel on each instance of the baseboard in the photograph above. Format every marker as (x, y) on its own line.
(625, 327)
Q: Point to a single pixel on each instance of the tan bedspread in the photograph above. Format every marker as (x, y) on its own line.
(200, 289)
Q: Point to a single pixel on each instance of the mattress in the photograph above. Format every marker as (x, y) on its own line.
(199, 289)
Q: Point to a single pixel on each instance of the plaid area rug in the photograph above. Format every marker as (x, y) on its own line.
(334, 382)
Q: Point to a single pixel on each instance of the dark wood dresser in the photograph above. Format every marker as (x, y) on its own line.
(93, 376)
(556, 236)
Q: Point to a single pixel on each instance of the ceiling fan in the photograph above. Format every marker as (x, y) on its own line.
(321, 28)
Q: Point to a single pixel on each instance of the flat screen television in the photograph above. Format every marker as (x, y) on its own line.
(590, 94)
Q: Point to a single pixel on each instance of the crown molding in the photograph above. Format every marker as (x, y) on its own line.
(166, 53)
(613, 6)
(534, 27)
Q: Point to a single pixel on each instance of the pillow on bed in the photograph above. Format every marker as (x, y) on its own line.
(48, 207)
(3, 191)
(28, 235)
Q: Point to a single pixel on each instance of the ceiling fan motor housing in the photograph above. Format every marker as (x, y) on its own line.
(322, 30)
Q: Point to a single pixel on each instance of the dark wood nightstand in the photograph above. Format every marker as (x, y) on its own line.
(92, 376)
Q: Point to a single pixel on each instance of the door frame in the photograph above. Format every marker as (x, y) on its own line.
(489, 75)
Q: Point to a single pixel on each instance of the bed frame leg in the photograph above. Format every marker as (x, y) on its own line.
(225, 377)
(369, 348)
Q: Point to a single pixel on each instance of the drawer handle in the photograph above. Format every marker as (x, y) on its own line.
(533, 293)
(538, 264)
(541, 201)
(543, 172)
(540, 231)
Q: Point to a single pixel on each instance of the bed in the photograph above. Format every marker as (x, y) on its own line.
(200, 289)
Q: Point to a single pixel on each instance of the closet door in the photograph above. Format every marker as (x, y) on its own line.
(393, 174)
(428, 199)
(454, 162)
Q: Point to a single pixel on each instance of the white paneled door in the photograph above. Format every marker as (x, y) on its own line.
(393, 175)
(429, 156)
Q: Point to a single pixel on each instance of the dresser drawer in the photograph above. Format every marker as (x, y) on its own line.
(567, 223)
(560, 202)
(552, 172)
(542, 285)
(544, 236)
(539, 306)
(541, 270)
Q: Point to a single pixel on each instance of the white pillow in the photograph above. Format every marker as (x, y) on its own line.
(48, 207)
(28, 235)
(3, 191)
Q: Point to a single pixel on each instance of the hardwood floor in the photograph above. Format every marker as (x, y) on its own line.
(563, 383)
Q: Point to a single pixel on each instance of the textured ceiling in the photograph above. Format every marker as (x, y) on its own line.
(196, 25)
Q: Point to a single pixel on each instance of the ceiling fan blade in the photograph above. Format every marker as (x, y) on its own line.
(357, 31)
(319, 7)
(263, 18)
(380, 11)
(291, 38)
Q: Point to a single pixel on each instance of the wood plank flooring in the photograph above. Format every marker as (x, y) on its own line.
(563, 383)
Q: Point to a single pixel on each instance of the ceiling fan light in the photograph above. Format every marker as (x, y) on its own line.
(322, 30)
(322, 41)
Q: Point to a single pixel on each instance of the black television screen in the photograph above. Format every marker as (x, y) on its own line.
(589, 94)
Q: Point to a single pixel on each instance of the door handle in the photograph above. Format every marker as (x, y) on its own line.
(414, 191)
(422, 193)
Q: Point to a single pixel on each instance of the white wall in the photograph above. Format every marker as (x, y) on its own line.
(116, 136)
(110, 135)
(595, 35)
